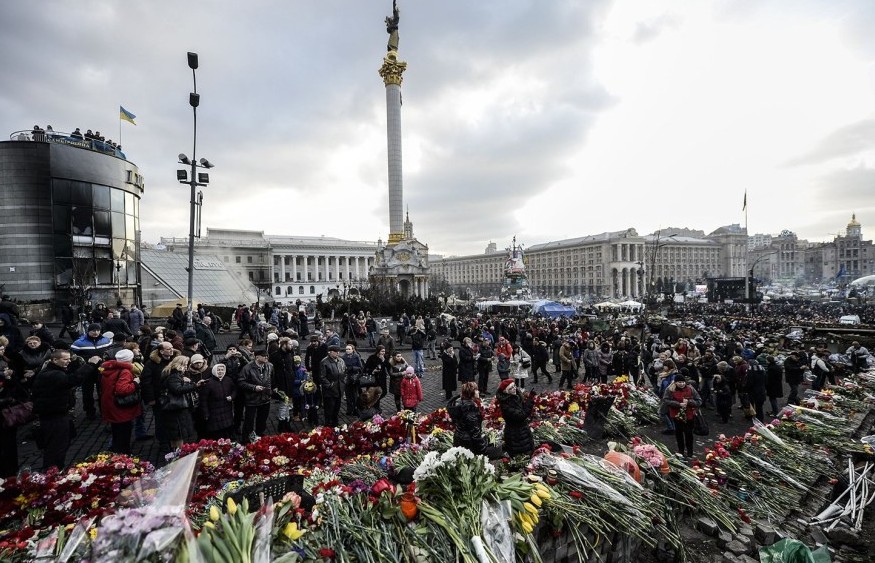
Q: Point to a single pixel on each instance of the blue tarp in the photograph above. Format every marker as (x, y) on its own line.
(552, 309)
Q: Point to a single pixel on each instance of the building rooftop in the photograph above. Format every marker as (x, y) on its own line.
(214, 284)
(74, 139)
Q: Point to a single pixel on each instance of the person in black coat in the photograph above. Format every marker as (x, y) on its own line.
(12, 392)
(217, 404)
(793, 375)
(467, 364)
(377, 366)
(449, 369)
(52, 401)
(722, 397)
(464, 410)
(755, 388)
(516, 409)
(774, 383)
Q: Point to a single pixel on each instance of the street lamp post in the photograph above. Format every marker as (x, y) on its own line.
(194, 181)
(749, 276)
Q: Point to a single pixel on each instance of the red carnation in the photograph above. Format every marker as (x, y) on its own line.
(327, 553)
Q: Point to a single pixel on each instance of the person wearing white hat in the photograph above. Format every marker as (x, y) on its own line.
(120, 400)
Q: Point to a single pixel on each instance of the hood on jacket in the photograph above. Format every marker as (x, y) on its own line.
(156, 357)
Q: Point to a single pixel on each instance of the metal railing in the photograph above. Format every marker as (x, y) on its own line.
(43, 136)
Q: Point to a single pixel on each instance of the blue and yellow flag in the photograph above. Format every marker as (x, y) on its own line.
(126, 115)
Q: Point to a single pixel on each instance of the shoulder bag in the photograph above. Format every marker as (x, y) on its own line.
(17, 415)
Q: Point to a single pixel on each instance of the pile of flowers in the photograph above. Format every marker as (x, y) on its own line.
(357, 504)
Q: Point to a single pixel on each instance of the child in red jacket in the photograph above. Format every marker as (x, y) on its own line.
(411, 390)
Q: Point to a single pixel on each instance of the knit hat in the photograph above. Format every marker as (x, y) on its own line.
(505, 383)
(409, 370)
(93, 326)
(189, 333)
(124, 355)
(197, 358)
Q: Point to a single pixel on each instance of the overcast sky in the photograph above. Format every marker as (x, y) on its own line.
(541, 119)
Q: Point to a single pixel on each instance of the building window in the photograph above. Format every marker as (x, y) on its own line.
(312, 290)
(277, 291)
(251, 277)
(249, 259)
(300, 290)
(237, 259)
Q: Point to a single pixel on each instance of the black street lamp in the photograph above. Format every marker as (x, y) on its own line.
(197, 179)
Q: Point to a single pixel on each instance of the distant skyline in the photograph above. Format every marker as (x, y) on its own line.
(544, 120)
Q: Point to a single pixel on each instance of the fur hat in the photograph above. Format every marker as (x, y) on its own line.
(196, 358)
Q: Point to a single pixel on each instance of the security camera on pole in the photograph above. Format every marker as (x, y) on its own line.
(196, 179)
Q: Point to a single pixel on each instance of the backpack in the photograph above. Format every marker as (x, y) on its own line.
(309, 386)
(503, 364)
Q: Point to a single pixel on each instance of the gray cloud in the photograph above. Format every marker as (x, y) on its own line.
(651, 29)
(847, 141)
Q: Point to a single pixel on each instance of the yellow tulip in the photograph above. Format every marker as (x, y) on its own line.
(530, 508)
(292, 532)
(573, 407)
(535, 499)
(232, 506)
(214, 513)
(527, 528)
(209, 525)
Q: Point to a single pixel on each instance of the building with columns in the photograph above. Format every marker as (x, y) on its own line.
(617, 264)
(287, 268)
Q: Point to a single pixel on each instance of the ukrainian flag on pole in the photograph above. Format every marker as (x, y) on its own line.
(126, 115)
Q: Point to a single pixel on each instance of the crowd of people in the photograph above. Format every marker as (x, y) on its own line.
(123, 367)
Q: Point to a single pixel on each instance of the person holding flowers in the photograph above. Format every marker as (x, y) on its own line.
(682, 401)
(516, 409)
(117, 382)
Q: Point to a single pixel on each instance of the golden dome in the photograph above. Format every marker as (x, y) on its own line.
(854, 222)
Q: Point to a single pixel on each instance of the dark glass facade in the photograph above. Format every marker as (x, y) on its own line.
(72, 220)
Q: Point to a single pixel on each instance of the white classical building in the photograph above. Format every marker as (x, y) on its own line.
(288, 268)
(612, 264)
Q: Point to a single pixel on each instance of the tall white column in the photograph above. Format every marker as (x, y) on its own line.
(294, 267)
(282, 268)
(358, 274)
(336, 268)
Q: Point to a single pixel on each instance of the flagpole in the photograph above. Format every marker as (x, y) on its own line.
(746, 258)
(120, 128)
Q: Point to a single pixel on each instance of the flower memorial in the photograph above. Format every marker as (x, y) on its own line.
(396, 490)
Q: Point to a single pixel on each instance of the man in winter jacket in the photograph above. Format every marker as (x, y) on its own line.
(331, 374)
(285, 373)
(89, 345)
(256, 382)
(136, 319)
(51, 394)
(793, 374)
